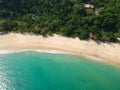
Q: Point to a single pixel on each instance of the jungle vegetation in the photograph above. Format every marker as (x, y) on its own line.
(65, 17)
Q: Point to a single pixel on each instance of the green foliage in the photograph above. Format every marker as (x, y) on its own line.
(67, 17)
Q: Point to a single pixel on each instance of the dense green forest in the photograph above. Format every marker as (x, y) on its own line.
(66, 17)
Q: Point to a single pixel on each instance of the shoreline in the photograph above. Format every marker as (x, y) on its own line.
(2, 52)
(92, 58)
(102, 52)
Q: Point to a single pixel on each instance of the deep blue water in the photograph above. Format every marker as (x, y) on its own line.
(42, 71)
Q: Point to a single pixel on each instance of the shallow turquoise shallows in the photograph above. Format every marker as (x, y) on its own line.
(42, 71)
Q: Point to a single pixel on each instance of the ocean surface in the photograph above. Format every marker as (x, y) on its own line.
(45, 71)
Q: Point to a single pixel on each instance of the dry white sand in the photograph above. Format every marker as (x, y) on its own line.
(109, 53)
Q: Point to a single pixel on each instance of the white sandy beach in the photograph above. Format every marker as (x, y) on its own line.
(109, 53)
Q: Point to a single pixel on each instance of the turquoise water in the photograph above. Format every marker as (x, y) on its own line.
(42, 71)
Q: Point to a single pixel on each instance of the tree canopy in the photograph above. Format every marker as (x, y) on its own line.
(66, 17)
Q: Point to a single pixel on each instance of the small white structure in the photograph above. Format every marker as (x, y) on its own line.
(118, 39)
(89, 6)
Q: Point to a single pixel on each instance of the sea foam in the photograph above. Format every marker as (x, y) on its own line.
(42, 51)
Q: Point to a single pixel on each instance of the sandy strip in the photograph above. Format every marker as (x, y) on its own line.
(104, 52)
